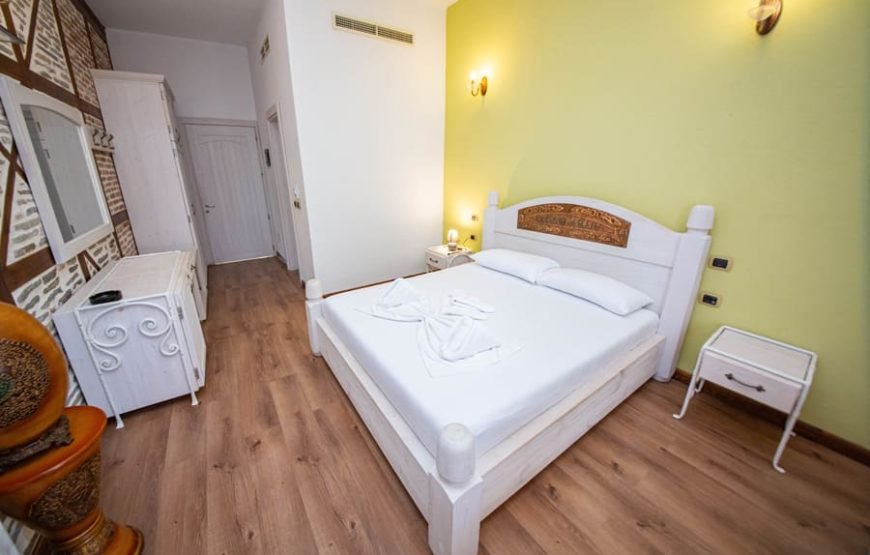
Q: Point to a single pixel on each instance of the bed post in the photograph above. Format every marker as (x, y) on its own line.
(489, 219)
(682, 291)
(313, 310)
(455, 494)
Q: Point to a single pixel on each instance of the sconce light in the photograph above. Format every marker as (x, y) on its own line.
(452, 239)
(478, 85)
(766, 14)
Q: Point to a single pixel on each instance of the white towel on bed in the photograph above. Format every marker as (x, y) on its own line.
(451, 337)
(451, 346)
(460, 305)
(459, 298)
(401, 302)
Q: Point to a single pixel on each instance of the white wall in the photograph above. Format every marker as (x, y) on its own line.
(273, 89)
(208, 79)
(370, 118)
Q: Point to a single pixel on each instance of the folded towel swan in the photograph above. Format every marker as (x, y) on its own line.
(452, 337)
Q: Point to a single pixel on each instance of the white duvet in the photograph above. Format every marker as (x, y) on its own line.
(565, 341)
(451, 331)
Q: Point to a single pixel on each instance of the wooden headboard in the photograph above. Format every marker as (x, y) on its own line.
(594, 235)
(575, 221)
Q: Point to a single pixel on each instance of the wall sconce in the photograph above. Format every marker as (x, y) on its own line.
(766, 14)
(478, 85)
(452, 239)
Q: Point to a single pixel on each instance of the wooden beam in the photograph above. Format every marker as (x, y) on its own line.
(119, 218)
(31, 34)
(6, 223)
(17, 274)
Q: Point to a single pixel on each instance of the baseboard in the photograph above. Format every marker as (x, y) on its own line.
(326, 296)
(808, 431)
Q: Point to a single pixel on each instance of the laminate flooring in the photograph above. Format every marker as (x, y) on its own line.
(274, 460)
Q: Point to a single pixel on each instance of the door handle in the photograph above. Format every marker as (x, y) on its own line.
(209, 205)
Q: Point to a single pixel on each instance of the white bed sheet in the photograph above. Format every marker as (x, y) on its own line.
(565, 341)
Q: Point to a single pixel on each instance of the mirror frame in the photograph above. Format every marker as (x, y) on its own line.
(14, 95)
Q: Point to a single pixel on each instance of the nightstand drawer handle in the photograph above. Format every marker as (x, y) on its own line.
(758, 388)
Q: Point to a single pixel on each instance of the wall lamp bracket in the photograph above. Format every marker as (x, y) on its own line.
(766, 15)
(479, 85)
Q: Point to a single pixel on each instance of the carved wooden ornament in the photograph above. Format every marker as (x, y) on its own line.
(575, 221)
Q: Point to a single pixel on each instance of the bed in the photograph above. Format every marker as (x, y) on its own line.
(463, 444)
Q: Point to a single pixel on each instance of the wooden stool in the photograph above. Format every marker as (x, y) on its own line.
(50, 455)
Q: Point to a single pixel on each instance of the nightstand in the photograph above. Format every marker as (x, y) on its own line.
(439, 257)
(771, 372)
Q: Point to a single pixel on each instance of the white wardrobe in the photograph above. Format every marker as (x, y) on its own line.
(155, 178)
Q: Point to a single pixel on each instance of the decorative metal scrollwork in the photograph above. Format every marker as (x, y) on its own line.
(105, 341)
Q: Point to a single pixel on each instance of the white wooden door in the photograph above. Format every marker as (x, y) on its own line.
(278, 176)
(226, 164)
(273, 205)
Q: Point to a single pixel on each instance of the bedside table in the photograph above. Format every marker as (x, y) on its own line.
(439, 257)
(771, 372)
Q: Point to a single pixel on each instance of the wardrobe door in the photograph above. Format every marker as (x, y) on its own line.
(191, 200)
(193, 333)
(134, 111)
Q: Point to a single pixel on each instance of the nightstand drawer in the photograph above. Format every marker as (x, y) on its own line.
(750, 382)
(436, 262)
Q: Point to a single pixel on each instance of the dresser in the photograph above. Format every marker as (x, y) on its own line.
(153, 171)
(143, 349)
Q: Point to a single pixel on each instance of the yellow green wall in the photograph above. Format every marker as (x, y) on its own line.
(659, 105)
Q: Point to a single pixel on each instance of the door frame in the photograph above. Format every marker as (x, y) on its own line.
(221, 122)
(274, 113)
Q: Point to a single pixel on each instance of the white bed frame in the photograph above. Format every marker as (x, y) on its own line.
(458, 488)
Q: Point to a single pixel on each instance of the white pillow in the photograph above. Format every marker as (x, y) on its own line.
(604, 291)
(519, 264)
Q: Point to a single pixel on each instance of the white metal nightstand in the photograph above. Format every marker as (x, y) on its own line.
(771, 372)
(440, 257)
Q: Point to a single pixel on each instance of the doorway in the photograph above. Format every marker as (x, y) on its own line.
(281, 188)
(226, 164)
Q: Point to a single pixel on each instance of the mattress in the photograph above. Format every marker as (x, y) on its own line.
(564, 342)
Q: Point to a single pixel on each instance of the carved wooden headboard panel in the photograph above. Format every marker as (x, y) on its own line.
(577, 222)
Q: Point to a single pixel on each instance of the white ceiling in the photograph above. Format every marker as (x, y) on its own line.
(229, 21)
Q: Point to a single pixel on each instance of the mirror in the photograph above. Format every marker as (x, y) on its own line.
(56, 155)
(64, 170)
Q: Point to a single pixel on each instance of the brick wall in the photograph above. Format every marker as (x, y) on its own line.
(111, 186)
(26, 235)
(48, 59)
(125, 239)
(101, 50)
(78, 44)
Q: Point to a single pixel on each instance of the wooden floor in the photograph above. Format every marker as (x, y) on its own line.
(275, 460)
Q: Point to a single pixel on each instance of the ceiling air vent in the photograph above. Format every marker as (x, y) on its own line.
(372, 29)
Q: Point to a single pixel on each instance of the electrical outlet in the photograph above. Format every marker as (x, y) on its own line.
(710, 299)
(720, 263)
